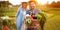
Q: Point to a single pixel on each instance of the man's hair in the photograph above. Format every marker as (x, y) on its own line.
(32, 1)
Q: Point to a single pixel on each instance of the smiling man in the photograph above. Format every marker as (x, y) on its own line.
(32, 10)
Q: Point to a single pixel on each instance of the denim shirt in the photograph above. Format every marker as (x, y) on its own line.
(33, 11)
(20, 17)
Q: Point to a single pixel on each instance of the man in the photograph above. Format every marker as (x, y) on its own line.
(34, 10)
(32, 7)
(20, 15)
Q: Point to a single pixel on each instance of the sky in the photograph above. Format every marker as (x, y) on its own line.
(45, 1)
(3, 0)
(17, 2)
(14, 2)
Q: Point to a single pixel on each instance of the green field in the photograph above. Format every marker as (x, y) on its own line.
(52, 23)
(8, 11)
(52, 16)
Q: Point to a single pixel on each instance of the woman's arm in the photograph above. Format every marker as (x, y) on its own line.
(18, 12)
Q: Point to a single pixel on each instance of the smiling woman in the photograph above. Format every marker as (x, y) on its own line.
(17, 2)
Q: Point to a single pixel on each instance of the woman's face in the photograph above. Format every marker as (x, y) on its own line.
(24, 5)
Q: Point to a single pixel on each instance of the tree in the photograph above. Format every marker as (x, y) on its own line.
(4, 3)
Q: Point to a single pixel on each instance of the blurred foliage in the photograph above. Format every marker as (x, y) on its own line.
(52, 15)
(8, 11)
(11, 13)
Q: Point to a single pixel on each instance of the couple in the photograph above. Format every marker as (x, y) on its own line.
(21, 13)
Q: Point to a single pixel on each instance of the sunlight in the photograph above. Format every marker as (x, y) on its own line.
(45, 1)
(41, 1)
(17, 2)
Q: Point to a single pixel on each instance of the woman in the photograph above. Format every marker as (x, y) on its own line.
(20, 15)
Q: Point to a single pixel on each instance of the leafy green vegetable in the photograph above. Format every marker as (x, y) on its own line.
(28, 20)
(38, 16)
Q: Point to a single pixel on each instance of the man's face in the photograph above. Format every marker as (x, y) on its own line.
(24, 5)
(32, 5)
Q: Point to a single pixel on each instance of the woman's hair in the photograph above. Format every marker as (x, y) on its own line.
(24, 2)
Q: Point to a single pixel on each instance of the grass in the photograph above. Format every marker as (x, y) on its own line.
(11, 13)
(8, 11)
(52, 23)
